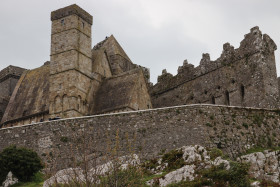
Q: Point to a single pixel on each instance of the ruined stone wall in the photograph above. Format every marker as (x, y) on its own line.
(149, 132)
(8, 80)
(240, 77)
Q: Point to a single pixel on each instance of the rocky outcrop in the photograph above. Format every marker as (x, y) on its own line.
(187, 163)
(79, 176)
(263, 165)
(10, 180)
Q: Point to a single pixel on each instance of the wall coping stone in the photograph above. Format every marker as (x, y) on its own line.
(140, 111)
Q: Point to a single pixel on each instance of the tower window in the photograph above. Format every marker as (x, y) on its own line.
(83, 24)
(213, 100)
(242, 91)
(227, 102)
(62, 22)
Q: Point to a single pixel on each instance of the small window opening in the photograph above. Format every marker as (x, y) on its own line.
(227, 102)
(219, 87)
(205, 92)
(83, 24)
(242, 90)
(213, 100)
(62, 22)
(232, 81)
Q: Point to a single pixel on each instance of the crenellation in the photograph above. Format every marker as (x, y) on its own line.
(165, 77)
(250, 65)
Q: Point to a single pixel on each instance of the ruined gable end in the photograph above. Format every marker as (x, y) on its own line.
(245, 76)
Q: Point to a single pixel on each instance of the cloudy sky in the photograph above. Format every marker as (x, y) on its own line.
(156, 34)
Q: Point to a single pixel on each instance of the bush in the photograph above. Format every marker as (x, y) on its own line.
(174, 159)
(128, 177)
(214, 153)
(22, 162)
(236, 176)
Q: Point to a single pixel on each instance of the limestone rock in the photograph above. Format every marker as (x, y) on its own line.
(218, 161)
(255, 184)
(194, 153)
(10, 180)
(77, 174)
(65, 176)
(263, 165)
(185, 173)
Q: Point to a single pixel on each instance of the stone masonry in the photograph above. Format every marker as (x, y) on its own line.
(149, 132)
(80, 80)
(231, 103)
(239, 77)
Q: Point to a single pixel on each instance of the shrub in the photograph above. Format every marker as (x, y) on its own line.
(128, 177)
(174, 159)
(236, 176)
(22, 162)
(214, 153)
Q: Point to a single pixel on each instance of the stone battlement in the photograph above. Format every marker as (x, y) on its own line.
(71, 10)
(253, 42)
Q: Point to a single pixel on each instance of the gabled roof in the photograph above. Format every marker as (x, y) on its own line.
(119, 92)
(118, 59)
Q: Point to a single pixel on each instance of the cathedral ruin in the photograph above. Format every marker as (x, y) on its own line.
(80, 80)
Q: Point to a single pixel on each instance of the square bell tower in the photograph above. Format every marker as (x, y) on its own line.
(70, 67)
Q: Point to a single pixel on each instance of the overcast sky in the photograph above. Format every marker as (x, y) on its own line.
(157, 34)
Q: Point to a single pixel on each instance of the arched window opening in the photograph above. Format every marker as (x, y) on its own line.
(57, 104)
(242, 91)
(227, 102)
(213, 100)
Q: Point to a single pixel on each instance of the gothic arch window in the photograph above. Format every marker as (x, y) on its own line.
(79, 103)
(65, 102)
(57, 104)
(227, 101)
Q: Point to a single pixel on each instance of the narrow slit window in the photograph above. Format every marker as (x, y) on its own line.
(242, 90)
(213, 100)
(227, 101)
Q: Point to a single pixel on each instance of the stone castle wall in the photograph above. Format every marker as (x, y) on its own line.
(149, 132)
(240, 77)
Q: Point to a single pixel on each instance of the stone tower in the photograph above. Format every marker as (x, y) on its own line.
(71, 65)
